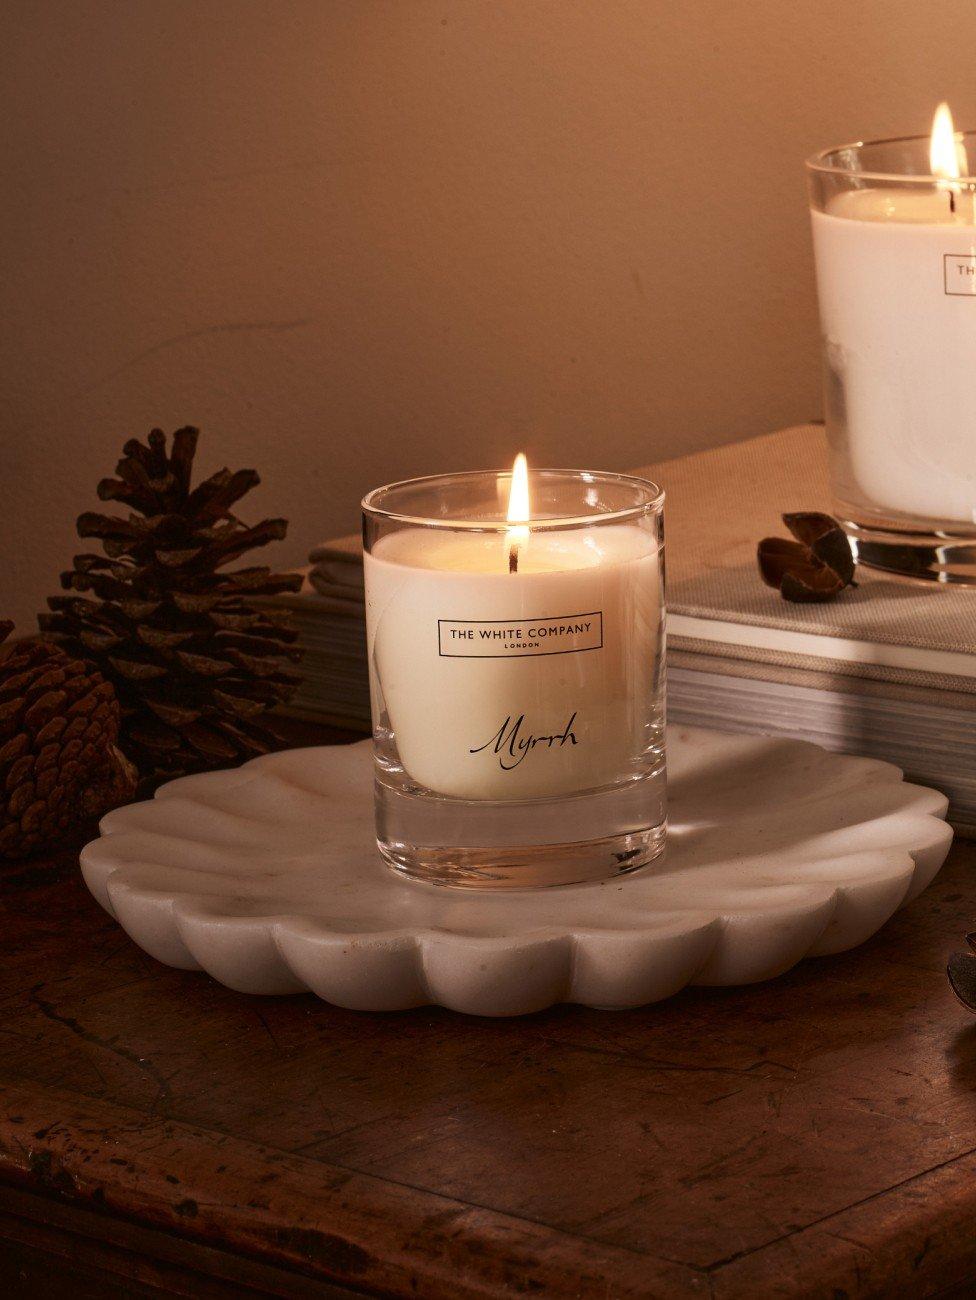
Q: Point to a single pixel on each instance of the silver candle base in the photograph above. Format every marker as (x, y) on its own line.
(926, 554)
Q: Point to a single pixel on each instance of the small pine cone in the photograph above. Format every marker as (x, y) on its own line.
(197, 656)
(59, 764)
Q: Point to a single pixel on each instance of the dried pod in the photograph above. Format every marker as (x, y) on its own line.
(961, 971)
(816, 566)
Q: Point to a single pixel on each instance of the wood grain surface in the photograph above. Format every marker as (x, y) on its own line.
(160, 1134)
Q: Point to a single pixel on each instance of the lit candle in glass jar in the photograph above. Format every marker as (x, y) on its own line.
(517, 657)
(894, 229)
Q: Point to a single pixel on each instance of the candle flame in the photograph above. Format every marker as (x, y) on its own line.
(947, 153)
(518, 495)
(518, 510)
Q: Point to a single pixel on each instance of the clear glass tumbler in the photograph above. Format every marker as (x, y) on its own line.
(517, 677)
(895, 250)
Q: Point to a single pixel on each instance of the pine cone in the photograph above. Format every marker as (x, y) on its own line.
(59, 764)
(194, 660)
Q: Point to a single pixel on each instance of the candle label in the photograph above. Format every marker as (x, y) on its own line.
(496, 638)
(510, 745)
(959, 274)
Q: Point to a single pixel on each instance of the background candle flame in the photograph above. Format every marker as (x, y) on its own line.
(947, 153)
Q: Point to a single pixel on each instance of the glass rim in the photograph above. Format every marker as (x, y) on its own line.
(652, 504)
(817, 162)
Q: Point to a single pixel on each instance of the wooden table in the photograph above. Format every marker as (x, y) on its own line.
(812, 1136)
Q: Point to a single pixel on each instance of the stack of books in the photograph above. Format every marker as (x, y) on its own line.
(887, 670)
(330, 615)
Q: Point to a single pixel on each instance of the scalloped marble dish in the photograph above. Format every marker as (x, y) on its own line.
(268, 878)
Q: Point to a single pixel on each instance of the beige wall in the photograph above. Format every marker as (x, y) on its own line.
(357, 239)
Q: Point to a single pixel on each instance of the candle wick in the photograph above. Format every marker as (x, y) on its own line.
(513, 558)
(952, 201)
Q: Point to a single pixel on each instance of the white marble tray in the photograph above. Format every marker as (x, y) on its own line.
(268, 878)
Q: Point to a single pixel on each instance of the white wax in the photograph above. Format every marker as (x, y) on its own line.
(896, 275)
(561, 702)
